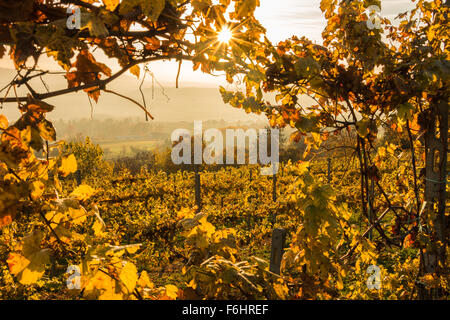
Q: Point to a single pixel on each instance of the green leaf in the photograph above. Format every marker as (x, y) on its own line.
(405, 111)
(153, 9)
(126, 6)
(363, 127)
(94, 24)
(304, 67)
(200, 5)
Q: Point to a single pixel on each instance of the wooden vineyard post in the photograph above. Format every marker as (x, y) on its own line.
(198, 197)
(274, 188)
(251, 171)
(436, 148)
(370, 199)
(329, 169)
(276, 252)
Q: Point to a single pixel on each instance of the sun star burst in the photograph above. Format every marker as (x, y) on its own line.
(225, 35)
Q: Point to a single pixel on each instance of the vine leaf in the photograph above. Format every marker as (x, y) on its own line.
(135, 70)
(68, 165)
(3, 122)
(29, 265)
(111, 5)
(128, 276)
(83, 192)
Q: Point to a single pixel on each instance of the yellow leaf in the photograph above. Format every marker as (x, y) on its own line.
(83, 192)
(206, 226)
(153, 9)
(29, 265)
(132, 248)
(144, 281)
(98, 228)
(245, 8)
(67, 235)
(111, 5)
(339, 284)
(135, 70)
(77, 216)
(37, 189)
(3, 122)
(35, 270)
(68, 165)
(414, 125)
(391, 149)
(54, 218)
(126, 6)
(16, 263)
(171, 291)
(281, 289)
(101, 286)
(128, 276)
(382, 152)
(185, 213)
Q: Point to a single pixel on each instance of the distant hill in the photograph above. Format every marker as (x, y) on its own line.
(167, 105)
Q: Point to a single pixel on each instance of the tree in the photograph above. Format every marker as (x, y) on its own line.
(39, 27)
(89, 157)
(360, 79)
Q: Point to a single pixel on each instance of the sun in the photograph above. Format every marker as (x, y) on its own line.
(225, 35)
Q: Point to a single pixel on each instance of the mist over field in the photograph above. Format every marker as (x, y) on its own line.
(119, 126)
(165, 103)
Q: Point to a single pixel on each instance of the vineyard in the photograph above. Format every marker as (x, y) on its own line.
(153, 219)
(362, 215)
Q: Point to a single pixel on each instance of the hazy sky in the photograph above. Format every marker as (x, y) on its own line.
(282, 19)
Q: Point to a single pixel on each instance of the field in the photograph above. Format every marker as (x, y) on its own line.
(158, 215)
(114, 149)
